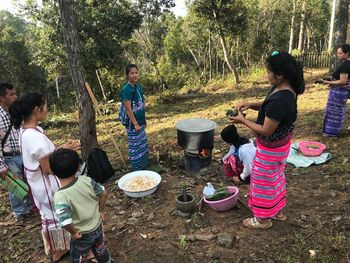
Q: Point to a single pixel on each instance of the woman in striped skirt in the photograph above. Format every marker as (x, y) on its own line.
(334, 115)
(134, 103)
(273, 129)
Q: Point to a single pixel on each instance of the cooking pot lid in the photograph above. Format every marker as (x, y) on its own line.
(195, 125)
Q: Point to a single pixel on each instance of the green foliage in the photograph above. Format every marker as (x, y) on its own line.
(16, 57)
(226, 15)
(171, 52)
(103, 29)
(182, 242)
(296, 52)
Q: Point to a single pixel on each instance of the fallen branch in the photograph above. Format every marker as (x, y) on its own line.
(200, 237)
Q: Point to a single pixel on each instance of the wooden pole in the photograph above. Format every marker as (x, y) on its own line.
(102, 89)
(98, 110)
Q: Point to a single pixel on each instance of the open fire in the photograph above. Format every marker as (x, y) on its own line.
(204, 153)
(197, 159)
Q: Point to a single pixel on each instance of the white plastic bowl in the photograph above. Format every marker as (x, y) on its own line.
(139, 194)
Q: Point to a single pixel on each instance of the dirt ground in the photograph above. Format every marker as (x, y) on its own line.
(149, 230)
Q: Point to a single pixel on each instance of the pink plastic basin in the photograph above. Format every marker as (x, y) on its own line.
(307, 151)
(224, 204)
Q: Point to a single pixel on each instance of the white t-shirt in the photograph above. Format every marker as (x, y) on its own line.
(246, 154)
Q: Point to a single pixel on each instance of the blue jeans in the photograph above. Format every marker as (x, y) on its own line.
(18, 206)
(93, 241)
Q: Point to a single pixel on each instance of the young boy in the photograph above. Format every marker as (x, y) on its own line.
(79, 205)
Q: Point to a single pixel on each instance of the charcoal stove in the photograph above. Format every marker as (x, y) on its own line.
(196, 137)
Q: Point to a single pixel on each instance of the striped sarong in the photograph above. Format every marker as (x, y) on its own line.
(334, 115)
(138, 149)
(267, 194)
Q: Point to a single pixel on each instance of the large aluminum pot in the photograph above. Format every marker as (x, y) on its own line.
(195, 134)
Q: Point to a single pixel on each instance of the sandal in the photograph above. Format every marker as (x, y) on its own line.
(280, 217)
(253, 222)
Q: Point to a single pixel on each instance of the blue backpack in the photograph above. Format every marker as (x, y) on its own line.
(123, 116)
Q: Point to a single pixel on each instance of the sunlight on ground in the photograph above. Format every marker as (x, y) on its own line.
(209, 102)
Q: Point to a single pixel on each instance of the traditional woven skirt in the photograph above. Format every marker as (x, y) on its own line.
(267, 194)
(334, 115)
(138, 149)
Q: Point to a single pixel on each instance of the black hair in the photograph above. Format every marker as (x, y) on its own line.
(230, 135)
(64, 163)
(284, 64)
(4, 87)
(129, 67)
(23, 107)
(345, 48)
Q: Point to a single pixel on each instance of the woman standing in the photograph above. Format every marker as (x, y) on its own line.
(134, 105)
(36, 148)
(273, 129)
(335, 111)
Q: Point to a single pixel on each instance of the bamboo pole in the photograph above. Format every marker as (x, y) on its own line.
(102, 89)
(98, 110)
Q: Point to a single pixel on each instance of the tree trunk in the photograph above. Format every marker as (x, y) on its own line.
(291, 37)
(194, 56)
(302, 27)
(340, 27)
(87, 122)
(341, 22)
(348, 31)
(331, 29)
(159, 76)
(209, 53)
(231, 67)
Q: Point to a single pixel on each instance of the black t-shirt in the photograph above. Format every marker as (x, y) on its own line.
(344, 68)
(282, 107)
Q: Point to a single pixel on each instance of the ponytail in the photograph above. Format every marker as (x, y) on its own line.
(284, 64)
(22, 108)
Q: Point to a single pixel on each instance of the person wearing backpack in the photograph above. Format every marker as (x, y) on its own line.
(10, 157)
(132, 116)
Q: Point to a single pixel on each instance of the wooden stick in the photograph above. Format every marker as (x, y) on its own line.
(102, 89)
(98, 110)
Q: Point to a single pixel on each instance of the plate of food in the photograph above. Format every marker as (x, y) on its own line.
(139, 183)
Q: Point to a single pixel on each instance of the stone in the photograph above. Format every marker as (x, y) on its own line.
(132, 221)
(137, 214)
(151, 216)
(225, 240)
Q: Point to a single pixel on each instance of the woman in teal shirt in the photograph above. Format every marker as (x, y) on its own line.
(134, 103)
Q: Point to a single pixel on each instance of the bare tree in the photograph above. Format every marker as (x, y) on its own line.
(302, 27)
(231, 66)
(87, 122)
(340, 27)
(341, 22)
(291, 38)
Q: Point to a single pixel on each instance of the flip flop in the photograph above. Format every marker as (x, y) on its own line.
(279, 218)
(254, 223)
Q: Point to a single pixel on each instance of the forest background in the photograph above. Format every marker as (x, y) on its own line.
(215, 41)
